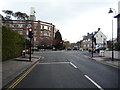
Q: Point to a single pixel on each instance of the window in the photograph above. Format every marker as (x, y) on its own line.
(88, 39)
(35, 26)
(84, 45)
(45, 33)
(35, 32)
(11, 25)
(20, 32)
(46, 27)
(34, 38)
(20, 25)
(101, 35)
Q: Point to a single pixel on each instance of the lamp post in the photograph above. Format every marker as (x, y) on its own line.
(111, 11)
(92, 44)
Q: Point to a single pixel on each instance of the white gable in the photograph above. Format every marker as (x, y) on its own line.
(100, 37)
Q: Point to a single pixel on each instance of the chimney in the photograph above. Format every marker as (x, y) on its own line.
(98, 29)
(87, 34)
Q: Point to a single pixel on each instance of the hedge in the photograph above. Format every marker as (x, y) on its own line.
(12, 43)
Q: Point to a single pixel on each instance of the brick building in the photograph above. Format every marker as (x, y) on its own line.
(43, 32)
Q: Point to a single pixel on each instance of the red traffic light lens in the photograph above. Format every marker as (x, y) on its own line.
(30, 29)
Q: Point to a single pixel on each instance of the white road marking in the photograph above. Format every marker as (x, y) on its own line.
(73, 65)
(55, 63)
(94, 82)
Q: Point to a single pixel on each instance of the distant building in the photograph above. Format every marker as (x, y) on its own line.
(43, 32)
(101, 40)
(87, 41)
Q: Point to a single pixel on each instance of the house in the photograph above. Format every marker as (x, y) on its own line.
(101, 40)
(87, 41)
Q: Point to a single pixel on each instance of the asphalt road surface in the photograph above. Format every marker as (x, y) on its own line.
(69, 69)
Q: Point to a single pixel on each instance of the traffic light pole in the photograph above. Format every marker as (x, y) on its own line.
(30, 51)
(30, 35)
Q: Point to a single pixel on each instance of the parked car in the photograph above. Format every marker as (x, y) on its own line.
(69, 48)
(81, 49)
(35, 49)
(98, 49)
(75, 48)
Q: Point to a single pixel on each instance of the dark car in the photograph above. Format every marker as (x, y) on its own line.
(69, 48)
(75, 48)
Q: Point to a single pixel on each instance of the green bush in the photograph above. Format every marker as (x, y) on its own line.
(117, 46)
(12, 43)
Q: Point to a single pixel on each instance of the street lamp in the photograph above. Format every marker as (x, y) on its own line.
(112, 11)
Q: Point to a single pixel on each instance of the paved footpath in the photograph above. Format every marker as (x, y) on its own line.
(14, 67)
(105, 60)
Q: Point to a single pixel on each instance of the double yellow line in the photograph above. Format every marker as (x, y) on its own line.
(21, 78)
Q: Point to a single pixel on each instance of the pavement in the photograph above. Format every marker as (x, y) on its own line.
(14, 67)
(102, 59)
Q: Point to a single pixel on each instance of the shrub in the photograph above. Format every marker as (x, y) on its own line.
(12, 43)
(117, 46)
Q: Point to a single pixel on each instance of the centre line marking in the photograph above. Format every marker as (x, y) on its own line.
(94, 82)
(73, 65)
(54, 63)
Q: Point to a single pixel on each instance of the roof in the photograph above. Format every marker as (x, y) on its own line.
(89, 36)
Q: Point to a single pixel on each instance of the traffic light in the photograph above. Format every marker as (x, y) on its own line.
(30, 35)
(61, 42)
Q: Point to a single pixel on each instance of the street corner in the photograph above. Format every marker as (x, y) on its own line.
(41, 57)
(33, 59)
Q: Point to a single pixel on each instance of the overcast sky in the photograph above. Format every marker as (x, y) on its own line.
(73, 18)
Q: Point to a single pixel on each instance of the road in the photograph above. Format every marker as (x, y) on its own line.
(69, 69)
